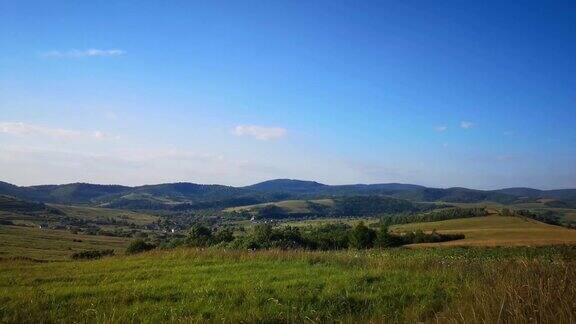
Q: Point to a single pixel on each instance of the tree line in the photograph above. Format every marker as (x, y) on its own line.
(434, 215)
(325, 237)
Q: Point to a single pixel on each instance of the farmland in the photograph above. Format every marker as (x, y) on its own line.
(497, 230)
(46, 244)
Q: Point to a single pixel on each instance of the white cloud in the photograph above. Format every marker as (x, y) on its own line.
(24, 129)
(260, 132)
(466, 124)
(92, 52)
(39, 165)
(441, 128)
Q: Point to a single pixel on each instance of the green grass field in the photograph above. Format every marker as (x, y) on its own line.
(94, 214)
(190, 285)
(46, 244)
(496, 230)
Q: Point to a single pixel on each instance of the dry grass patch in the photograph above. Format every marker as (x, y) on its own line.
(496, 231)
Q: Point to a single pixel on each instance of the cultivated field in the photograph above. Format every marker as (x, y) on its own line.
(46, 244)
(190, 285)
(291, 206)
(496, 231)
(105, 214)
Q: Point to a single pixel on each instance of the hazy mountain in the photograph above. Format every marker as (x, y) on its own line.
(188, 190)
(287, 185)
(457, 195)
(71, 193)
(565, 195)
(521, 192)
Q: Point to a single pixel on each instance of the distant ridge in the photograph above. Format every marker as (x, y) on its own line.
(290, 185)
(158, 195)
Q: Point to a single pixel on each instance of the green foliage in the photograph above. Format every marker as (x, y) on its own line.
(362, 237)
(264, 236)
(271, 212)
(91, 254)
(224, 235)
(328, 237)
(419, 236)
(548, 216)
(199, 235)
(435, 215)
(384, 239)
(138, 246)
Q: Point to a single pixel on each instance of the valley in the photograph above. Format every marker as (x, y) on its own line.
(286, 251)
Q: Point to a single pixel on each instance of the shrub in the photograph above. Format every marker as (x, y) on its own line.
(362, 237)
(264, 236)
(139, 246)
(92, 254)
(329, 236)
(434, 237)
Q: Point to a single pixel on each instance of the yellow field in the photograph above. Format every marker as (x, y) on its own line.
(571, 216)
(46, 244)
(293, 206)
(324, 221)
(496, 231)
(93, 213)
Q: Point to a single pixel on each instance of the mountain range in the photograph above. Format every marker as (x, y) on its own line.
(197, 196)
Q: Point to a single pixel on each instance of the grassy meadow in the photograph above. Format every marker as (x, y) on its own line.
(102, 214)
(399, 285)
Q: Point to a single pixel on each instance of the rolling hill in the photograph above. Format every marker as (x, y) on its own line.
(565, 195)
(9, 204)
(182, 196)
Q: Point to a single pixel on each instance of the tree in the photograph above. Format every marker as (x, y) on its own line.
(362, 237)
(271, 212)
(199, 236)
(385, 239)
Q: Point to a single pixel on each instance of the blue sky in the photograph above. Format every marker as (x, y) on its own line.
(451, 93)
